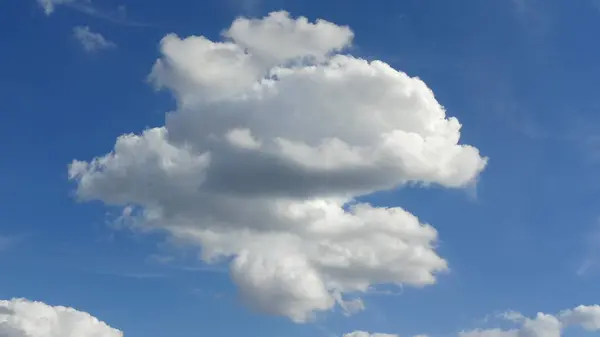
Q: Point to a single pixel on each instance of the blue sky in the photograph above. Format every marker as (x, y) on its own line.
(520, 76)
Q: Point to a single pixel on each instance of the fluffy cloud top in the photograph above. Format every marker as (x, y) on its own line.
(586, 316)
(22, 318)
(91, 41)
(275, 134)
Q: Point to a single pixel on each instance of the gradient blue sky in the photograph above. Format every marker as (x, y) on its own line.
(521, 76)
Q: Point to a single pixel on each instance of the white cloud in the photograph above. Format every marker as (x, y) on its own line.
(542, 325)
(366, 334)
(50, 5)
(592, 252)
(274, 136)
(586, 316)
(117, 16)
(277, 38)
(23, 318)
(91, 41)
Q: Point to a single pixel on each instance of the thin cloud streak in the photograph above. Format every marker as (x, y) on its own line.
(114, 17)
(85, 7)
(592, 244)
(201, 269)
(167, 261)
(9, 241)
(91, 41)
(133, 275)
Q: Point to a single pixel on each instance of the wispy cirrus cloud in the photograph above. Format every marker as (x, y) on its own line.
(595, 4)
(91, 41)
(592, 252)
(9, 241)
(6, 242)
(168, 261)
(535, 16)
(117, 16)
(132, 275)
(50, 5)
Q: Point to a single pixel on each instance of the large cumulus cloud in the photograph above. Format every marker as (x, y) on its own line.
(23, 318)
(275, 134)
